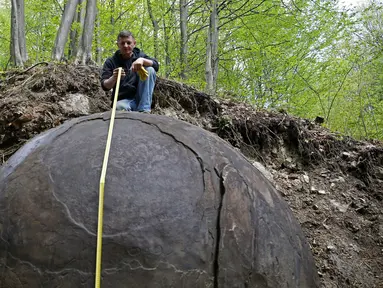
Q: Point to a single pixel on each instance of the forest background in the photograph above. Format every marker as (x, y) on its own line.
(308, 58)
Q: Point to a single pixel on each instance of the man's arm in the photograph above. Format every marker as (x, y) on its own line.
(106, 73)
(147, 61)
(141, 62)
(153, 61)
(109, 75)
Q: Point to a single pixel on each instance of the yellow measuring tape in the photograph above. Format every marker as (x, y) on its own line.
(102, 185)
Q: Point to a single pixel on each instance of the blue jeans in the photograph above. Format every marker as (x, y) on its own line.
(143, 101)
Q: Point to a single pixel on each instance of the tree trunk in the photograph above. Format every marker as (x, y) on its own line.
(112, 5)
(167, 53)
(18, 49)
(21, 20)
(84, 54)
(74, 33)
(211, 67)
(184, 38)
(155, 27)
(214, 49)
(98, 41)
(73, 38)
(112, 20)
(63, 32)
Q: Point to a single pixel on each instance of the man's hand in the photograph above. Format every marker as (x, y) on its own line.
(115, 73)
(109, 83)
(138, 64)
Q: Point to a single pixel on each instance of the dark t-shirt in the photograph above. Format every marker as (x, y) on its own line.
(128, 84)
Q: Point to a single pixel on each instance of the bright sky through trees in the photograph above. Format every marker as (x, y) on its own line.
(352, 3)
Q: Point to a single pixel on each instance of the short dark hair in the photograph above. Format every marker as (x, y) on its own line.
(124, 33)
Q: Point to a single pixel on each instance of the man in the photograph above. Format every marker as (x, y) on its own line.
(135, 94)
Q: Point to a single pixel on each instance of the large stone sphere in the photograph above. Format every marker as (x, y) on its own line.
(182, 209)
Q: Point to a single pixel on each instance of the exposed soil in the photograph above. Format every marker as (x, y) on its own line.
(333, 184)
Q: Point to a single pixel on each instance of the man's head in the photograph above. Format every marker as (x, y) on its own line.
(126, 43)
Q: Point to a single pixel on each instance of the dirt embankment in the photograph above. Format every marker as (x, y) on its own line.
(333, 184)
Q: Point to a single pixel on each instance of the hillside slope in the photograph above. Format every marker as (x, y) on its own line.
(333, 184)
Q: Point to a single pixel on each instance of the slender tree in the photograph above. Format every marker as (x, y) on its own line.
(18, 44)
(98, 40)
(184, 37)
(84, 54)
(211, 66)
(156, 28)
(78, 23)
(63, 32)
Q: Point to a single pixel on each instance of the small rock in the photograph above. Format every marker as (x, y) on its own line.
(284, 176)
(332, 185)
(313, 189)
(330, 247)
(289, 165)
(341, 207)
(283, 193)
(293, 176)
(353, 227)
(339, 179)
(354, 247)
(346, 155)
(327, 227)
(306, 179)
(76, 103)
(315, 207)
(325, 173)
(362, 210)
(297, 183)
(308, 202)
(361, 186)
(322, 192)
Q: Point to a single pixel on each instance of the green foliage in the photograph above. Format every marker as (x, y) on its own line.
(5, 38)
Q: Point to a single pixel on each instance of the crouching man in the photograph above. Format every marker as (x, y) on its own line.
(136, 85)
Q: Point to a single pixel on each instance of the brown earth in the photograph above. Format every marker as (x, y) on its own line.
(333, 184)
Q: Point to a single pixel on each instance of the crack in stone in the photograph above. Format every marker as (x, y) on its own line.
(136, 265)
(200, 160)
(46, 271)
(218, 226)
(133, 265)
(222, 193)
(81, 225)
(78, 224)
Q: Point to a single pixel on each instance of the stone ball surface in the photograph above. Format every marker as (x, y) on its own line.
(182, 208)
